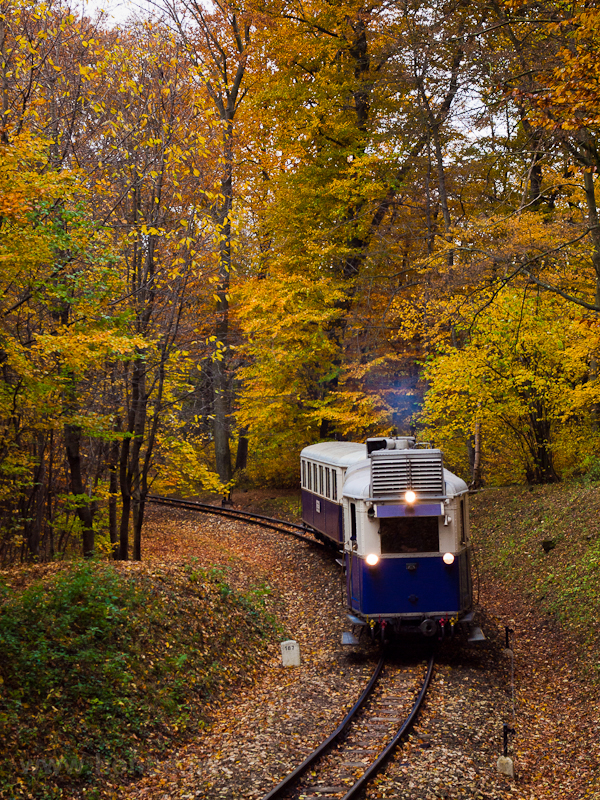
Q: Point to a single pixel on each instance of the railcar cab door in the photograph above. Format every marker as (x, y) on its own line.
(351, 547)
(361, 539)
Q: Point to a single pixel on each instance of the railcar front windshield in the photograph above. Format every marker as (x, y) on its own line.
(409, 535)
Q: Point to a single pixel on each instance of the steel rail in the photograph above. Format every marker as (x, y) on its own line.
(318, 751)
(379, 762)
(371, 771)
(245, 516)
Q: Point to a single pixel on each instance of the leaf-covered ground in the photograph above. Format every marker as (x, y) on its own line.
(539, 553)
(263, 719)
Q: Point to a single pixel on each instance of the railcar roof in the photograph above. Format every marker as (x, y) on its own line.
(454, 484)
(336, 454)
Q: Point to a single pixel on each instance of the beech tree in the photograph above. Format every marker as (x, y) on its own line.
(271, 217)
(523, 378)
(218, 42)
(343, 115)
(57, 330)
(137, 131)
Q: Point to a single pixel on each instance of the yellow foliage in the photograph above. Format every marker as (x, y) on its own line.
(184, 471)
(525, 376)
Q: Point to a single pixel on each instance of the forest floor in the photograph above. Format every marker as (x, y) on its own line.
(544, 694)
(253, 734)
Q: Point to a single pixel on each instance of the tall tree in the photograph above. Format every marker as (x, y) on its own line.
(218, 41)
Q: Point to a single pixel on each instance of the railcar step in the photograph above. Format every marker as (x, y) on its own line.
(349, 638)
(477, 635)
(355, 620)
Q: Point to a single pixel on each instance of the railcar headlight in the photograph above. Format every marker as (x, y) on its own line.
(372, 559)
(448, 558)
(410, 497)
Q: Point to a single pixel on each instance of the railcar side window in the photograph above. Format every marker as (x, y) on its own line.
(409, 535)
(320, 479)
(353, 522)
(315, 481)
(463, 527)
(327, 482)
(303, 474)
(334, 484)
(308, 476)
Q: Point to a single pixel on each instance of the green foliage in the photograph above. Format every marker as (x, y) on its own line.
(59, 328)
(289, 356)
(94, 663)
(297, 383)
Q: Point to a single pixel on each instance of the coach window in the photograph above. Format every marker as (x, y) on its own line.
(334, 484)
(327, 482)
(315, 480)
(303, 474)
(353, 522)
(321, 479)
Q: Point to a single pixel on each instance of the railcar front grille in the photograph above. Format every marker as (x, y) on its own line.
(395, 471)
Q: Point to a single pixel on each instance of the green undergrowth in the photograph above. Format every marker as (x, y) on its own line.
(546, 541)
(102, 667)
(281, 506)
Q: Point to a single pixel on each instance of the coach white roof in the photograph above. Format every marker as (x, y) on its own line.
(336, 454)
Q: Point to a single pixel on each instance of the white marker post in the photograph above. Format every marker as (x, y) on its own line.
(290, 653)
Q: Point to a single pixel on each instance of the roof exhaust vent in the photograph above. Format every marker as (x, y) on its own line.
(384, 443)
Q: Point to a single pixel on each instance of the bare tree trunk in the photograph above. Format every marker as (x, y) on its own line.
(140, 413)
(221, 393)
(113, 488)
(241, 458)
(84, 510)
(49, 521)
(594, 223)
(125, 485)
(476, 472)
(129, 467)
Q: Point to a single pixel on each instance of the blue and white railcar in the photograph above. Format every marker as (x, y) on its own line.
(403, 522)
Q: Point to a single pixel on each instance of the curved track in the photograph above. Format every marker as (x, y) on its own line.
(354, 753)
(291, 528)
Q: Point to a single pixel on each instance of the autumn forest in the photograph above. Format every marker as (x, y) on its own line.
(229, 230)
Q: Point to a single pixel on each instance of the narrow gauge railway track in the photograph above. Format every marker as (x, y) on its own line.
(281, 525)
(354, 753)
